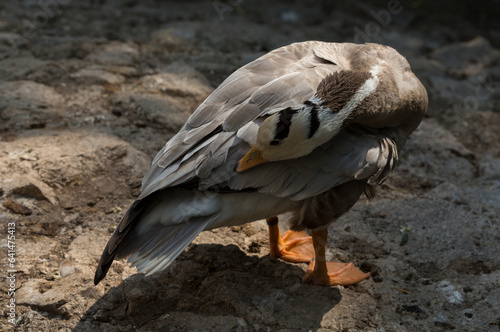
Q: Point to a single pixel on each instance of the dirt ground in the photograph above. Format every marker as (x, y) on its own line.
(91, 90)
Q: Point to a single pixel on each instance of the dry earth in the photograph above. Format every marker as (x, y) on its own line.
(90, 90)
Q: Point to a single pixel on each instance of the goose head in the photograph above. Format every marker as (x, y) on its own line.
(291, 133)
(283, 135)
(379, 96)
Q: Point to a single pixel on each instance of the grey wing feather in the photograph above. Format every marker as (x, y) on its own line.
(386, 163)
(345, 158)
(279, 79)
(282, 92)
(216, 154)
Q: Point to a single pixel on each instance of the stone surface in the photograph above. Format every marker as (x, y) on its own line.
(28, 94)
(87, 99)
(98, 75)
(459, 56)
(115, 53)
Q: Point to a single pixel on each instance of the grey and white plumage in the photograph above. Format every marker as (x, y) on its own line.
(329, 118)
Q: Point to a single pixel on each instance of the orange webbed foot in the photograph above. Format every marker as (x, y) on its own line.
(293, 247)
(296, 247)
(325, 273)
(333, 273)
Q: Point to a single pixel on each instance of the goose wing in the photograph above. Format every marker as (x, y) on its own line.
(279, 79)
(347, 157)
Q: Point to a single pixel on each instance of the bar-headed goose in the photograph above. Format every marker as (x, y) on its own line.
(306, 128)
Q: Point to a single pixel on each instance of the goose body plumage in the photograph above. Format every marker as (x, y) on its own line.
(193, 184)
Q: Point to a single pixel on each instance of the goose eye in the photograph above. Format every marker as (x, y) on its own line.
(275, 142)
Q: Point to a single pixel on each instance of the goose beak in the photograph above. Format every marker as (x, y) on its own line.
(251, 159)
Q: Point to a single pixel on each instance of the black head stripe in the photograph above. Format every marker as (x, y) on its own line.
(313, 121)
(284, 122)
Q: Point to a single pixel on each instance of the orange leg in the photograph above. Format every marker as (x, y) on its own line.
(321, 272)
(293, 246)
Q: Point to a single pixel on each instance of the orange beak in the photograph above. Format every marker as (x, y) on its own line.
(251, 159)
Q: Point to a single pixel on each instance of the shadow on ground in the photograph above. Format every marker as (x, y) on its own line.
(210, 288)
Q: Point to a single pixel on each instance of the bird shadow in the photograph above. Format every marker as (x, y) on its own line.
(213, 280)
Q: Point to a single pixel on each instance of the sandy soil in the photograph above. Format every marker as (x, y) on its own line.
(91, 90)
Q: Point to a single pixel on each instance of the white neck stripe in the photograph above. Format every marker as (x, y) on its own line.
(315, 99)
(364, 91)
(335, 120)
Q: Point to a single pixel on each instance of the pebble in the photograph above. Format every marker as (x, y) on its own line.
(449, 291)
(30, 191)
(67, 268)
(16, 207)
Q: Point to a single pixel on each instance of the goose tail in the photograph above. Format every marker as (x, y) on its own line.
(157, 229)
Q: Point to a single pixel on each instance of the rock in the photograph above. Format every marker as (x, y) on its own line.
(450, 292)
(481, 128)
(65, 156)
(19, 68)
(67, 268)
(458, 57)
(115, 53)
(28, 105)
(28, 119)
(290, 16)
(33, 249)
(409, 45)
(161, 110)
(163, 100)
(12, 39)
(10, 44)
(50, 228)
(121, 70)
(434, 153)
(26, 185)
(28, 95)
(57, 299)
(96, 74)
(188, 321)
(31, 191)
(179, 85)
(490, 167)
(16, 207)
(79, 251)
(67, 202)
(452, 89)
(175, 38)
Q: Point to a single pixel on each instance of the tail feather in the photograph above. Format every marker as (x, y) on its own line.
(167, 256)
(166, 245)
(156, 229)
(109, 252)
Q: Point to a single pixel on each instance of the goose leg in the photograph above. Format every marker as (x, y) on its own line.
(293, 246)
(321, 272)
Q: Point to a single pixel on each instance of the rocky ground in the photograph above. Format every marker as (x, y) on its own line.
(90, 90)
